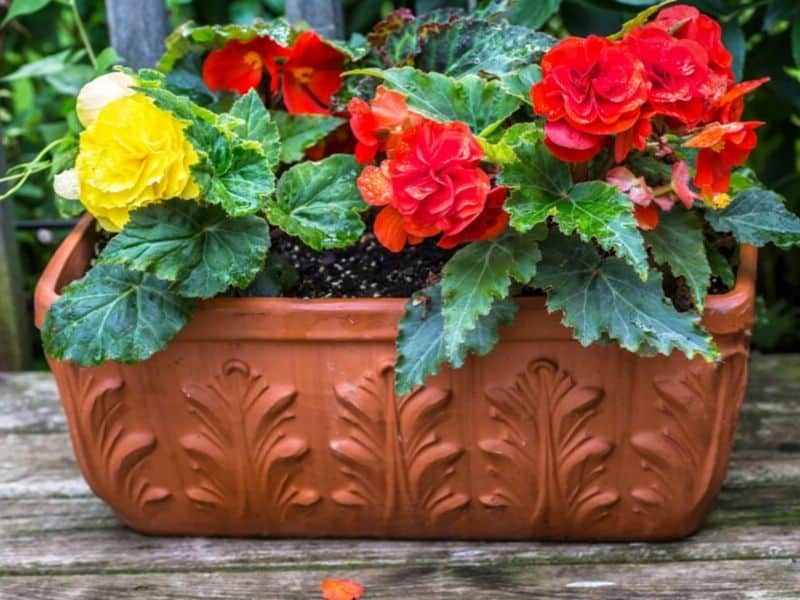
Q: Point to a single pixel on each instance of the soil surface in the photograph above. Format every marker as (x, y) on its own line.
(365, 270)
(368, 270)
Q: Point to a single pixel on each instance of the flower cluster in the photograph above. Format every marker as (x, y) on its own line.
(445, 151)
(672, 75)
(307, 74)
(430, 183)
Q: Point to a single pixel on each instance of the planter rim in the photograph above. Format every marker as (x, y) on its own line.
(724, 313)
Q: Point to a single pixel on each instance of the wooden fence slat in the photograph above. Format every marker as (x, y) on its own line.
(138, 29)
(326, 16)
(14, 323)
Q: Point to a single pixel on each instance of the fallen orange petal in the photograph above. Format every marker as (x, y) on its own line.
(341, 589)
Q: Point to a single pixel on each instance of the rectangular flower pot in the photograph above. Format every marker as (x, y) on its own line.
(277, 417)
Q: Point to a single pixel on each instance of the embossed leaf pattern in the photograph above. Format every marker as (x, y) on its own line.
(546, 462)
(105, 437)
(392, 454)
(245, 460)
(682, 455)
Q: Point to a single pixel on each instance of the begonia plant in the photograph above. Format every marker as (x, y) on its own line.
(605, 173)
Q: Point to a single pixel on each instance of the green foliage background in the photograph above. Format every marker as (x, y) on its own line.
(44, 64)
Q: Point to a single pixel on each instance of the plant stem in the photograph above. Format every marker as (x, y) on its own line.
(34, 166)
(82, 32)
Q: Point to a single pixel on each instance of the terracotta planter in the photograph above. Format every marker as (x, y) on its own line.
(276, 417)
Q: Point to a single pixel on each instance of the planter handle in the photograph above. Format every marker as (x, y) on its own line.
(69, 263)
(734, 311)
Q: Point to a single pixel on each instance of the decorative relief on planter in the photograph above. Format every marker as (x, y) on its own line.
(682, 454)
(547, 464)
(245, 460)
(116, 455)
(397, 465)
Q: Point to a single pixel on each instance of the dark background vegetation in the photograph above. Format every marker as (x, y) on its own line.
(43, 66)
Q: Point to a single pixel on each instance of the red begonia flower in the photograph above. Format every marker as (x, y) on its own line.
(678, 72)
(569, 144)
(309, 75)
(378, 124)
(237, 66)
(688, 23)
(436, 183)
(597, 86)
(431, 184)
(722, 146)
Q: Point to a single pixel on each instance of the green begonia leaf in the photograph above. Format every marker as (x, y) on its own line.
(758, 217)
(239, 178)
(479, 103)
(602, 298)
(320, 203)
(257, 126)
(114, 314)
(481, 273)
(397, 38)
(720, 266)
(190, 37)
(542, 188)
(678, 242)
(519, 83)
(421, 338)
(199, 247)
(472, 47)
(298, 133)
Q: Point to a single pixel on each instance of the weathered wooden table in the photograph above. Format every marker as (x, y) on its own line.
(58, 541)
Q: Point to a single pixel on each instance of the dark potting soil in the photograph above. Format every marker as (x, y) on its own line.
(368, 270)
(365, 270)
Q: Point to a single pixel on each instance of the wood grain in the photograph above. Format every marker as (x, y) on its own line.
(325, 16)
(58, 541)
(138, 29)
(14, 322)
(772, 579)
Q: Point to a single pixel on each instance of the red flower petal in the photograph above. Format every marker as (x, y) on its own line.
(646, 217)
(341, 589)
(298, 98)
(312, 73)
(237, 67)
(492, 222)
(680, 183)
(571, 145)
(732, 103)
(374, 186)
(389, 229)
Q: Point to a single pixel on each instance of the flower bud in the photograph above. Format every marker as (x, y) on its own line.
(99, 92)
(66, 185)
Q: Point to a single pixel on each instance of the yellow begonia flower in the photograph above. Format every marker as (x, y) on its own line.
(132, 155)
